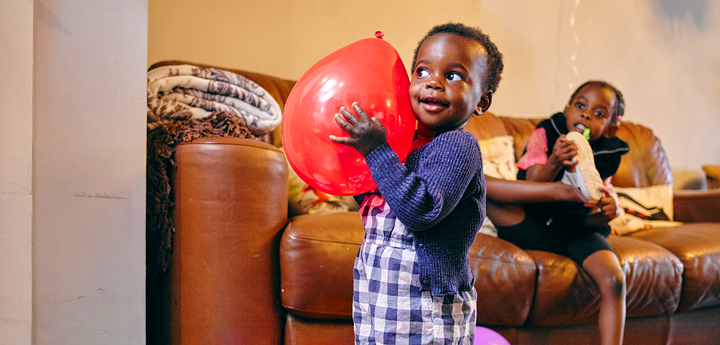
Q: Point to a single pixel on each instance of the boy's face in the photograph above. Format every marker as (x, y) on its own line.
(446, 86)
(593, 107)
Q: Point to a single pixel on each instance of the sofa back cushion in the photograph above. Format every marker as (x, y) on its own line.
(490, 125)
(645, 165)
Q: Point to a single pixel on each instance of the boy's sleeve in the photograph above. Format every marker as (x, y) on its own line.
(536, 151)
(422, 198)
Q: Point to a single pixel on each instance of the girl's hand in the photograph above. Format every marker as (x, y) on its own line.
(366, 133)
(563, 153)
(609, 204)
(608, 207)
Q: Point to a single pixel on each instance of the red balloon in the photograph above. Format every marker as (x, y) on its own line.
(369, 72)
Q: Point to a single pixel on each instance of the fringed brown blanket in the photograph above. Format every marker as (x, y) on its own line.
(161, 144)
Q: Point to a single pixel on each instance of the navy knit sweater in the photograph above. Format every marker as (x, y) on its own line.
(439, 194)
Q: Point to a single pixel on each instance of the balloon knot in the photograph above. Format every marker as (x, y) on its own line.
(379, 34)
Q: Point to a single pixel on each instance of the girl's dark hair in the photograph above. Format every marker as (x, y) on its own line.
(619, 100)
(494, 57)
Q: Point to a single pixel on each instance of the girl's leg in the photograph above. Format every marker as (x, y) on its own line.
(504, 214)
(604, 268)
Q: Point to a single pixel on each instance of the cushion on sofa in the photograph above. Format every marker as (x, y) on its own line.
(317, 253)
(304, 331)
(644, 208)
(646, 155)
(567, 295)
(697, 245)
(489, 125)
(498, 155)
(504, 281)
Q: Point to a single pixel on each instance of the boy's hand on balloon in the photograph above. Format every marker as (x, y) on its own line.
(366, 133)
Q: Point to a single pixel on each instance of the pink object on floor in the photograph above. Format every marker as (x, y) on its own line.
(486, 336)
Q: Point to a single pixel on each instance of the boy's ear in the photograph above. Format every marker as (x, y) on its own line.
(484, 103)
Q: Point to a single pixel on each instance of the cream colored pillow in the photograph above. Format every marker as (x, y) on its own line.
(498, 156)
(644, 208)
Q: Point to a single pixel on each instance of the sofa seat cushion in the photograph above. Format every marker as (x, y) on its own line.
(566, 294)
(302, 331)
(504, 281)
(317, 253)
(697, 245)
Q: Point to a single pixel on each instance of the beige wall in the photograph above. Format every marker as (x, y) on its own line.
(664, 55)
(72, 172)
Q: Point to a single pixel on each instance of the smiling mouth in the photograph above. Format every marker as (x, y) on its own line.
(432, 104)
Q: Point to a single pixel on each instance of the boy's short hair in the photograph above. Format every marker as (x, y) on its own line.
(619, 100)
(494, 57)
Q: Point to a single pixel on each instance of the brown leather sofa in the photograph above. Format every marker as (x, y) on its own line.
(242, 272)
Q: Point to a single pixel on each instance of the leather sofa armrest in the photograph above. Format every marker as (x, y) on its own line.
(697, 206)
(230, 210)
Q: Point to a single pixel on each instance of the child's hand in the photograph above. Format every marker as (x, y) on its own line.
(608, 204)
(366, 134)
(564, 151)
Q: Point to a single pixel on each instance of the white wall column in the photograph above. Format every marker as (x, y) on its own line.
(16, 121)
(89, 172)
(72, 171)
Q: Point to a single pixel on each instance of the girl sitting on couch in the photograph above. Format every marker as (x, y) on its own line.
(538, 220)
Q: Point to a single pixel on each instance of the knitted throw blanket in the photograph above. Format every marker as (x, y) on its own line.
(161, 145)
(181, 92)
